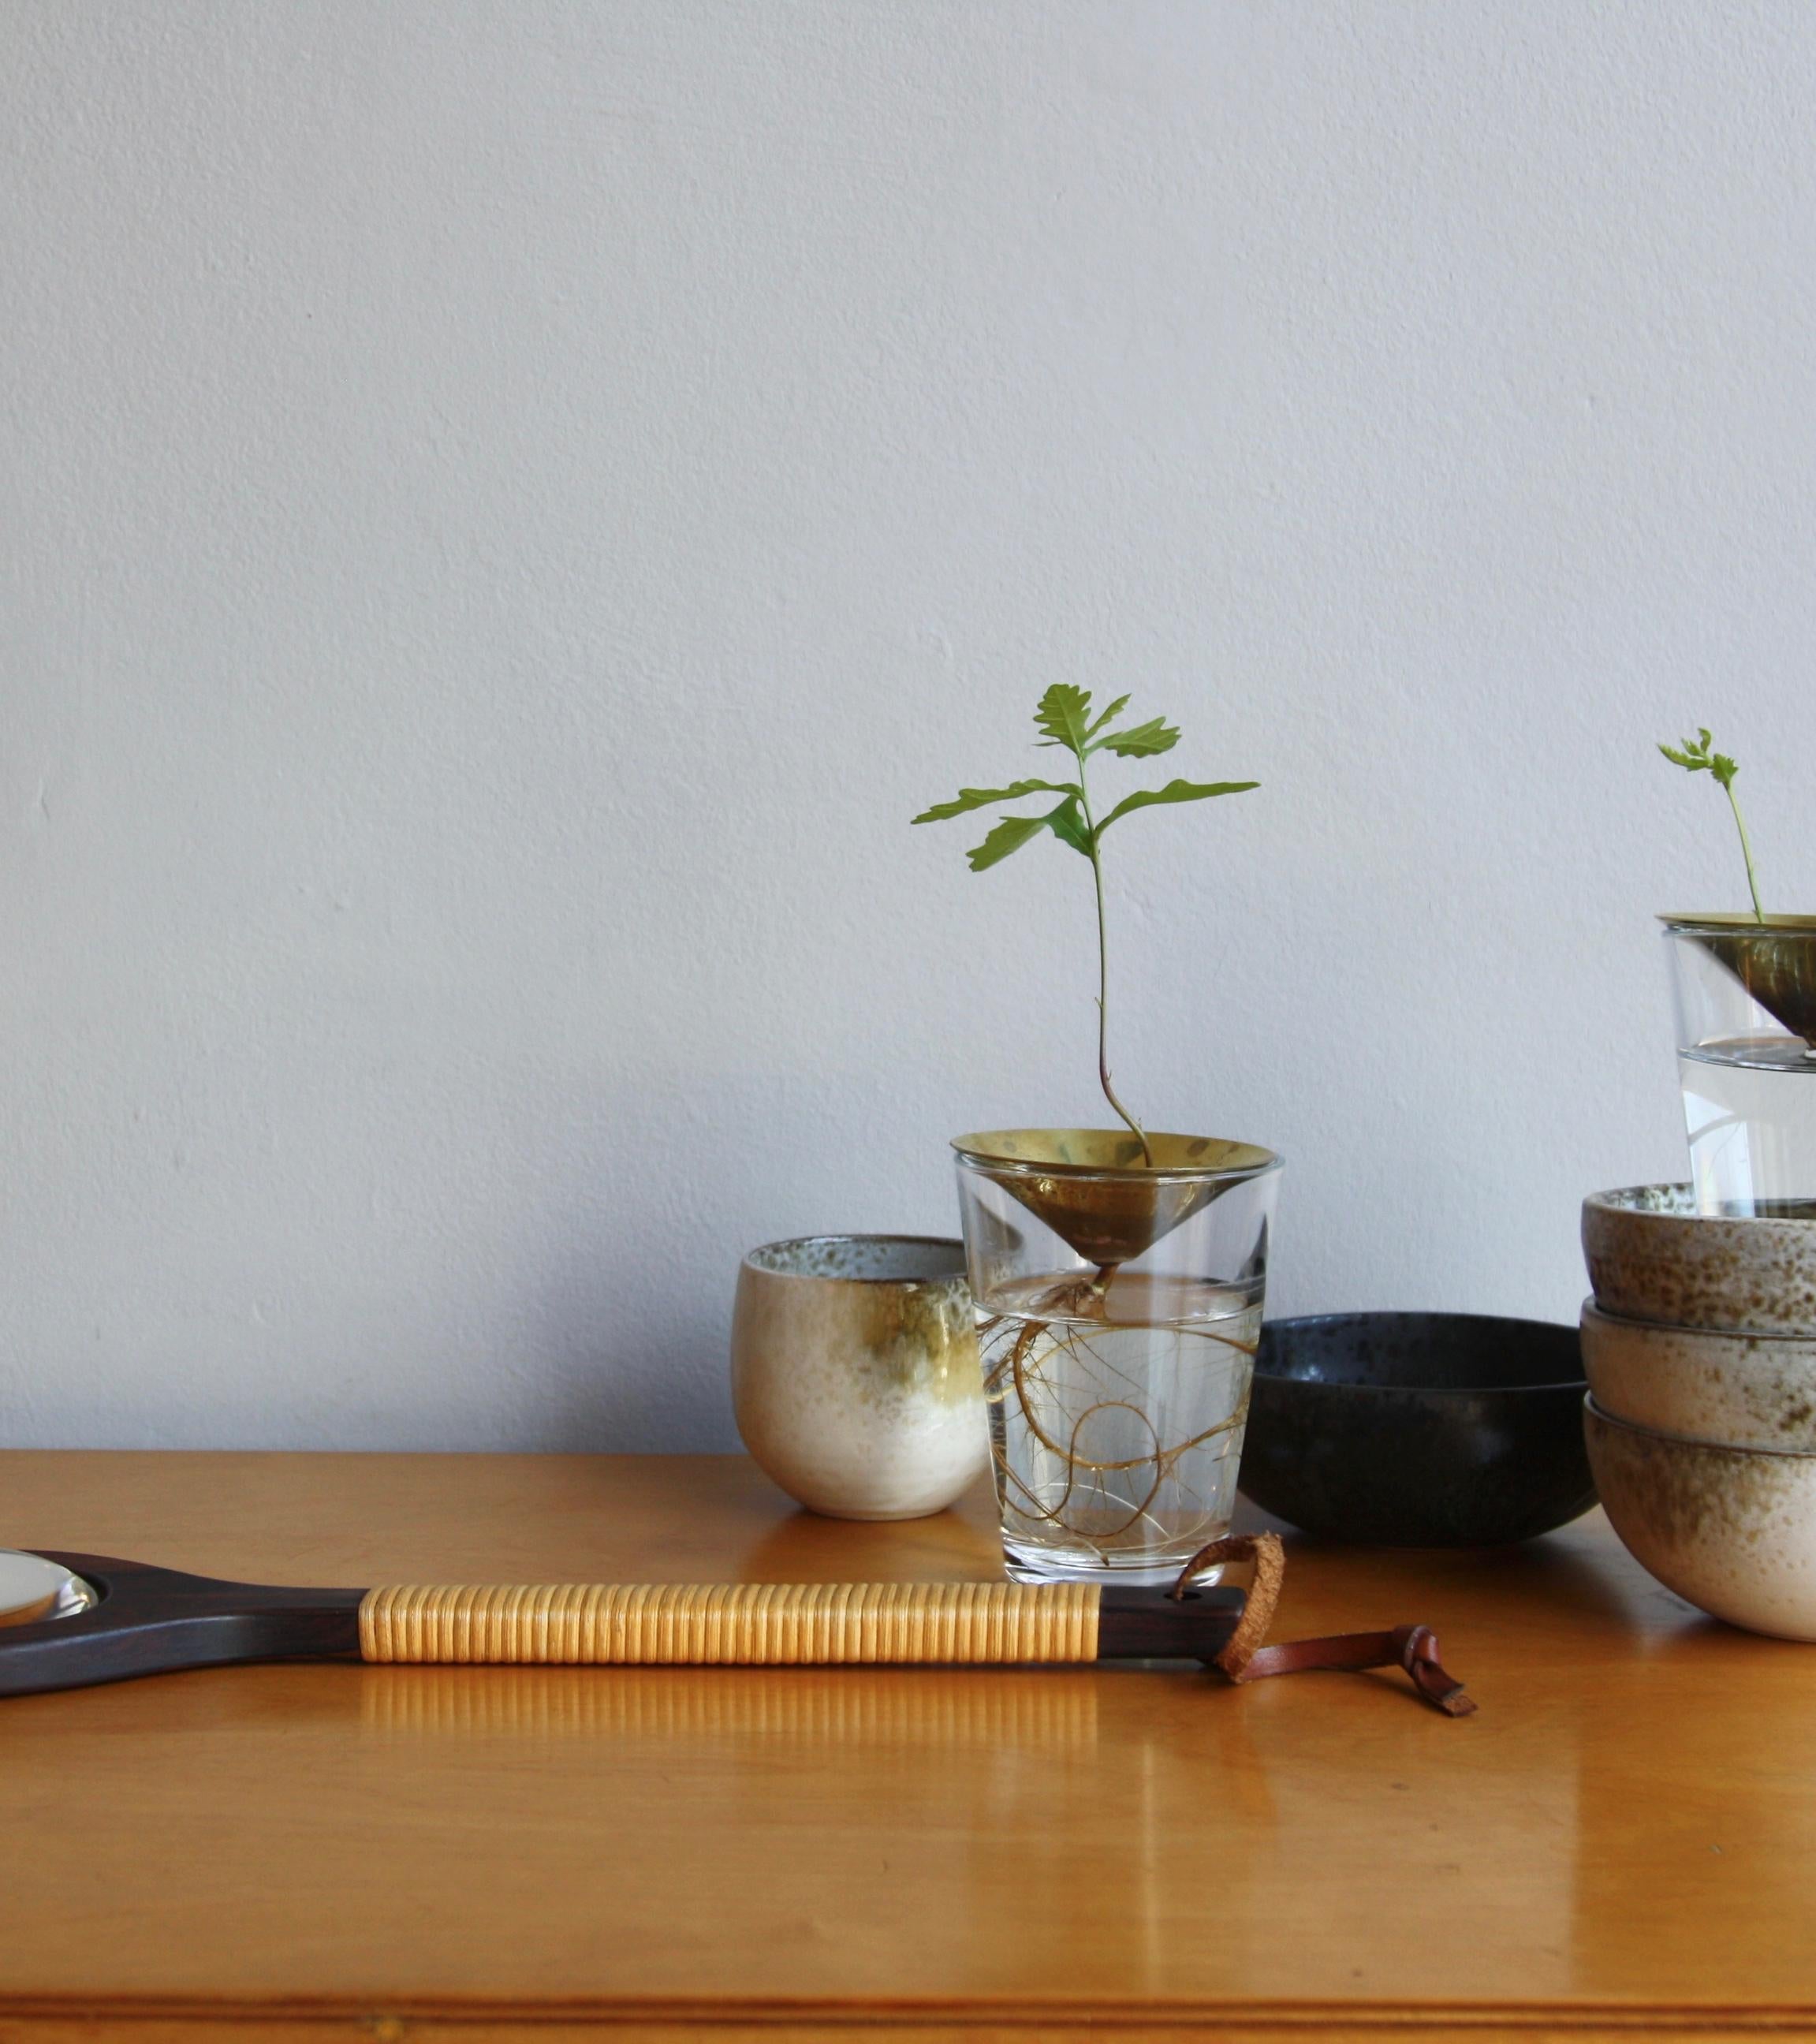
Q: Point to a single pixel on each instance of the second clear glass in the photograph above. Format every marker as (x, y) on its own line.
(1745, 996)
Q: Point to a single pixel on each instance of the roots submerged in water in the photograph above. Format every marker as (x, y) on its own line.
(1105, 1503)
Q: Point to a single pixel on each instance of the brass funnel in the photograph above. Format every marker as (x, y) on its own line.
(1774, 961)
(1091, 1187)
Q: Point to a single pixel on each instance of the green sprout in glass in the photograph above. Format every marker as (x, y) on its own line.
(1694, 756)
(1063, 719)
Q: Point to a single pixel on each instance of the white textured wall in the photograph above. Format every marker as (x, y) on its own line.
(508, 507)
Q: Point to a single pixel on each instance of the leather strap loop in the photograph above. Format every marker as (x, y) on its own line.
(1245, 1659)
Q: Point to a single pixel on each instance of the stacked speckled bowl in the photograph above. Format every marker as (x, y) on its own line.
(1699, 1345)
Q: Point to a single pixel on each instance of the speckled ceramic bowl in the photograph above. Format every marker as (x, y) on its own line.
(1732, 1529)
(855, 1380)
(1738, 1391)
(1651, 1256)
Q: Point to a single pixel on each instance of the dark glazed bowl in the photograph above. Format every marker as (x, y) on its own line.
(1418, 1429)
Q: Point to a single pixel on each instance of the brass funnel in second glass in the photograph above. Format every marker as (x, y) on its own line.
(1774, 961)
(1092, 1187)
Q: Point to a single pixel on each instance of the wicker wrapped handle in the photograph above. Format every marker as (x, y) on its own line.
(751, 1624)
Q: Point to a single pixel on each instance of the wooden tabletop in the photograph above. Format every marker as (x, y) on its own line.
(1624, 1836)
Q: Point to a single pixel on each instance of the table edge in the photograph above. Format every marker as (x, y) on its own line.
(1101, 2015)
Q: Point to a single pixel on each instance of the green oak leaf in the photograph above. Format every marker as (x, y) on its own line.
(982, 798)
(1145, 739)
(1064, 716)
(1067, 823)
(1695, 757)
(1109, 716)
(1174, 791)
(1009, 835)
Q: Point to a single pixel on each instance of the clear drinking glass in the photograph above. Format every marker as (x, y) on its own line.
(1119, 1307)
(1745, 995)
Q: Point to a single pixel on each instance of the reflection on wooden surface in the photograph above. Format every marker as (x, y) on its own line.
(959, 1546)
(836, 1711)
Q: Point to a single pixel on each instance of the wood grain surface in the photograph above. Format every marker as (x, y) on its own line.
(1623, 1839)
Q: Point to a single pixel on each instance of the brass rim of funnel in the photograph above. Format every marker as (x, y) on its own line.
(1107, 1154)
(1728, 921)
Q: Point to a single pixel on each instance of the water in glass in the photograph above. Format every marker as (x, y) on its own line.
(1117, 1407)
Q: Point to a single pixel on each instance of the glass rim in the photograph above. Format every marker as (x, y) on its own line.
(1736, 923)
(971, 1156)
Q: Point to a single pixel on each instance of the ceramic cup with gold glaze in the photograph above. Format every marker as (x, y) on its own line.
(854, 1373)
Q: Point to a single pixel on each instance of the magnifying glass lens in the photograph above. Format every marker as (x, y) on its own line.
(32, 1588)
